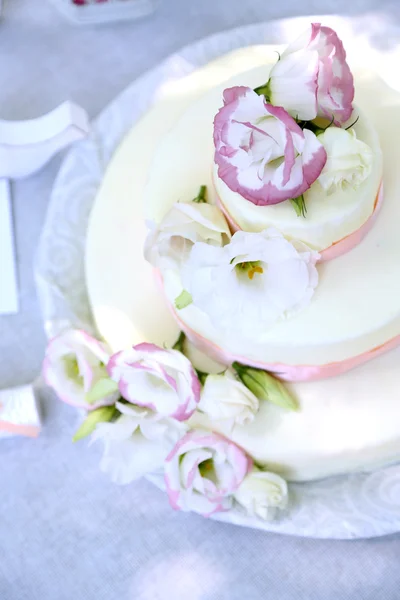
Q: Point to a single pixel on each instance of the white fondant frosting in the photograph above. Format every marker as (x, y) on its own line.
(344, 423)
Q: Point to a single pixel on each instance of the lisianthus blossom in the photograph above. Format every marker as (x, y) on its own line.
(136, 443)
(261, 151)
(169, 244)
(251, 282)
(312, 77)
(262, 493)
(203, 471)
(75, 367)
(349, 160)
(226, 399)
(159, 379)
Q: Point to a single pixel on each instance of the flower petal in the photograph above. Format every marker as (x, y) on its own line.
(259, 150)
(202, 472)
(156, 378)
(74, 363)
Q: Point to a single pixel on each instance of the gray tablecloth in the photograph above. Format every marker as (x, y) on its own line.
(66, 531)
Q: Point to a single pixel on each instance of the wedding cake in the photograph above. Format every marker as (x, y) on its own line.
(242, 267)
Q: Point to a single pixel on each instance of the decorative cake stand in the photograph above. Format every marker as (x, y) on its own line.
(360, 505)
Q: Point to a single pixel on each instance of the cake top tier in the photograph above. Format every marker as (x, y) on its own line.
(296, 141)
(262, 295)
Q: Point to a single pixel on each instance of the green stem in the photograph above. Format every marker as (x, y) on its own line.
(238, 368)
(202, 195)
(299, 206)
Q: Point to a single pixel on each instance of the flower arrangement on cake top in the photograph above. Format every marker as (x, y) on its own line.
(272, 144)
(268, 146)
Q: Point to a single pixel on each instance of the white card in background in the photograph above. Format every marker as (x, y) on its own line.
(19, 413)
(8, 270)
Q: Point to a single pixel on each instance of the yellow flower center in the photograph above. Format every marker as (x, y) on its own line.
(72, 368)
(251, 267)
(206, 466)
(253, 270)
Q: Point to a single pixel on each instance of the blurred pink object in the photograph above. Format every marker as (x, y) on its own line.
(103, 11)
(18, 412)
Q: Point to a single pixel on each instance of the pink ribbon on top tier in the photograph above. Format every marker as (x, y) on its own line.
(337, 248)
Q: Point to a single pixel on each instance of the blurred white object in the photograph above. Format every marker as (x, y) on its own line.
(8, 275)
(18, 412)
(25, 146)
(84, 12)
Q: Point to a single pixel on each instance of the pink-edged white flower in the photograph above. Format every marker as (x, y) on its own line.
(170, 243)
(226, 399)
(75, 367)
(313, 78)
(349, 161)
(203, 471)
(262, 493)
(251, 282)
(261, 151)
(137, 443)
(161, 380)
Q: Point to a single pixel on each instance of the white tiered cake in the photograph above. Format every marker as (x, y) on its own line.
(328, 264)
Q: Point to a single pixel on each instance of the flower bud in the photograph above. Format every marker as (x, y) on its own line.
(265, 387)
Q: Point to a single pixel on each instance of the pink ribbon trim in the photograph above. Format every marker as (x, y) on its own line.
(286, 372)
(26, 430)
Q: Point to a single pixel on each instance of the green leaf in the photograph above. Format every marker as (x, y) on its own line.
(265, 387)
(202, 195)
(183, 300)
(102, 388)
(263, 90)
(180, 343)
(299, 206)
(100, 415)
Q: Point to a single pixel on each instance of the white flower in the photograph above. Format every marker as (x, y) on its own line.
(261, 493)
(75, 367)
(170, 243)
(159, 379)
(202, 472)
(224, 398)
(136, 443)
(251, 282)
(349, 160)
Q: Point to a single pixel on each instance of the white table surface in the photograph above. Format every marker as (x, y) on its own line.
(65, 531)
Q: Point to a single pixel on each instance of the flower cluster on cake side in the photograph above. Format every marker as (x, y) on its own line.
(271, 144)
(141, 403)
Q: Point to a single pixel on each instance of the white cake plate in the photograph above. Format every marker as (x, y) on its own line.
(354, 506)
